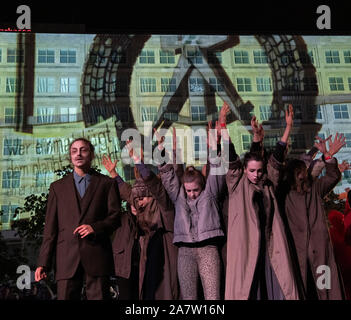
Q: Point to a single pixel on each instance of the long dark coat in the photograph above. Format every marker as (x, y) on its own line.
(158, 215)
(307, 221)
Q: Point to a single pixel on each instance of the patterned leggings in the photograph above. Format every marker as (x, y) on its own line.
(203, 261)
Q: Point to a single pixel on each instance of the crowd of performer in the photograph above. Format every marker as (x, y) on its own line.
(257, 230)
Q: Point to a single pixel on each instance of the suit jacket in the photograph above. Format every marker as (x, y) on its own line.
(99, 208)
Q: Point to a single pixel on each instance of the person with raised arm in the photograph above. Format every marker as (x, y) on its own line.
(301, 202)
(154, 222)
(197, 225)
(259, 263)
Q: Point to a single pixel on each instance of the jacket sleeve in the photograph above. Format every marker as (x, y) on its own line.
(331, 178)
(50, 232)
(112, 219)
(275, 165)
(215, 181)
(170, 181)
(235, 170)
(125, 190)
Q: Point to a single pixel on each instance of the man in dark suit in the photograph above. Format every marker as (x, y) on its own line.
(82, 212)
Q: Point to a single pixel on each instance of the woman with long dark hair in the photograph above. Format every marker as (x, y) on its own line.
(300, 196)
(259, 265)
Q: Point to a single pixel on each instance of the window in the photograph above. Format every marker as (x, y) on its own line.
(14, 85)
(194, 56)
(264, 84)
(45, 115)
(12, 147)
(168, 85)
(167, 57)
(147, 57)
(347, 175)
(0, 55)
(68, 85)
(340, 111)
(147, 85)
(332, 57)
(9, 115)
(244, 84)
(265, 112)
(319, 114)
(336, 84)
(46, 56)
(44, 146)
(216, 84)
(347, 56)
(68, 114)
(11, 179)
(200, 147)
(68, 56)
(349, 82)
(196, 85)
(148, 113)
(43, 178)
(173, 116)
(46, 85)
(241, 57)
(246, 140)
(198, 113)
(348, 140)
(260, 57)
(8, 213)
(15, 56)
(214, 57)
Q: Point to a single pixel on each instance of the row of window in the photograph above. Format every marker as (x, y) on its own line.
(44, 56)
(148, 56)
(44, 115)
(47, 115)
(169, 85)
(44, 85)
(198, 85)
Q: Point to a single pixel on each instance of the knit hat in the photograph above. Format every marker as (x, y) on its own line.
(140, 190)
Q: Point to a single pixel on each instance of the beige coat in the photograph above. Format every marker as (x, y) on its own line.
(244, 234)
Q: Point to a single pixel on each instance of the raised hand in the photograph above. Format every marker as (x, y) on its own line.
(110, 166)
(289, 115)
(222, 119)
(257, 129)
(160, 139)
(321, 145)
(344, 166)
(336, 145)
(289, 118)
(132, 153)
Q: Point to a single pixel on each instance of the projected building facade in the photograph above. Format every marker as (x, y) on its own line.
(100, 85)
